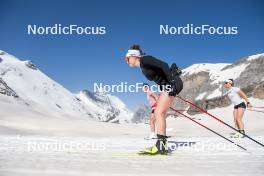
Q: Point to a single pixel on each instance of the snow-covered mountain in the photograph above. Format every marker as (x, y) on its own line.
(142, 114)
(27, 84)
(203, 83)
(107, 108)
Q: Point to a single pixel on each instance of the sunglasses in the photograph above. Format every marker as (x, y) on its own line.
(227, 83)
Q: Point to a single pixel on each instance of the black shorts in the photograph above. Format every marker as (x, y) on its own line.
(178, 84)
(241, 105)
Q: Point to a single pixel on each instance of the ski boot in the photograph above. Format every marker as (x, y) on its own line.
(239, 135)
(160, 148)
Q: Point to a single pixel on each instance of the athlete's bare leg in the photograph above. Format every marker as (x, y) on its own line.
(163, 104)
(152, 122)
(235, 120)
(239, 117)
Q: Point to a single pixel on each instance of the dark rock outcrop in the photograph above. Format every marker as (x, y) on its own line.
(6, 90)
(30, 65)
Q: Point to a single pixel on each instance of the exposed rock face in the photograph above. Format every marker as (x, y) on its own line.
(255, 90)
(6, 90)
(29, 64)
(193, 85)
(204, 87)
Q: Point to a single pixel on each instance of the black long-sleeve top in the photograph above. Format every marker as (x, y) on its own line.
(155, 70)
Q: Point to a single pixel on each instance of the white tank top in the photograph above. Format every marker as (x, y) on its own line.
(234, 96)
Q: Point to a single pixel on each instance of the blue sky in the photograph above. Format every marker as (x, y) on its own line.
(77, 62)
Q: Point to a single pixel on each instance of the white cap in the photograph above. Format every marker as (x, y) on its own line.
(132, 52)
(229, 81)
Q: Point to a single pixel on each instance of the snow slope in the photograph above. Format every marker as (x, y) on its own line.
(39, 91)
(207, 67)
(117, 158)
(94, 148)
(37, 88)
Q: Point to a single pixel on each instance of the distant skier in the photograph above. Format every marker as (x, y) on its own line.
(152, 98)
(236, 95)
(170, 84)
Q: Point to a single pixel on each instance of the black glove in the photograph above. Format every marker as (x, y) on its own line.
(175, 71)
(248, 105)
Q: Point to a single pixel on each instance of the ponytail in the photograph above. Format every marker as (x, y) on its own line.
(136, 47)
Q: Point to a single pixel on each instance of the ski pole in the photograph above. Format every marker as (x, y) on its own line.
(187, 110)
(208, 129)
(202, 110)
(257, 107)
(255, 110)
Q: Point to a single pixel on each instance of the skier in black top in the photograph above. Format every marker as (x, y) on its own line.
(170, 85)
